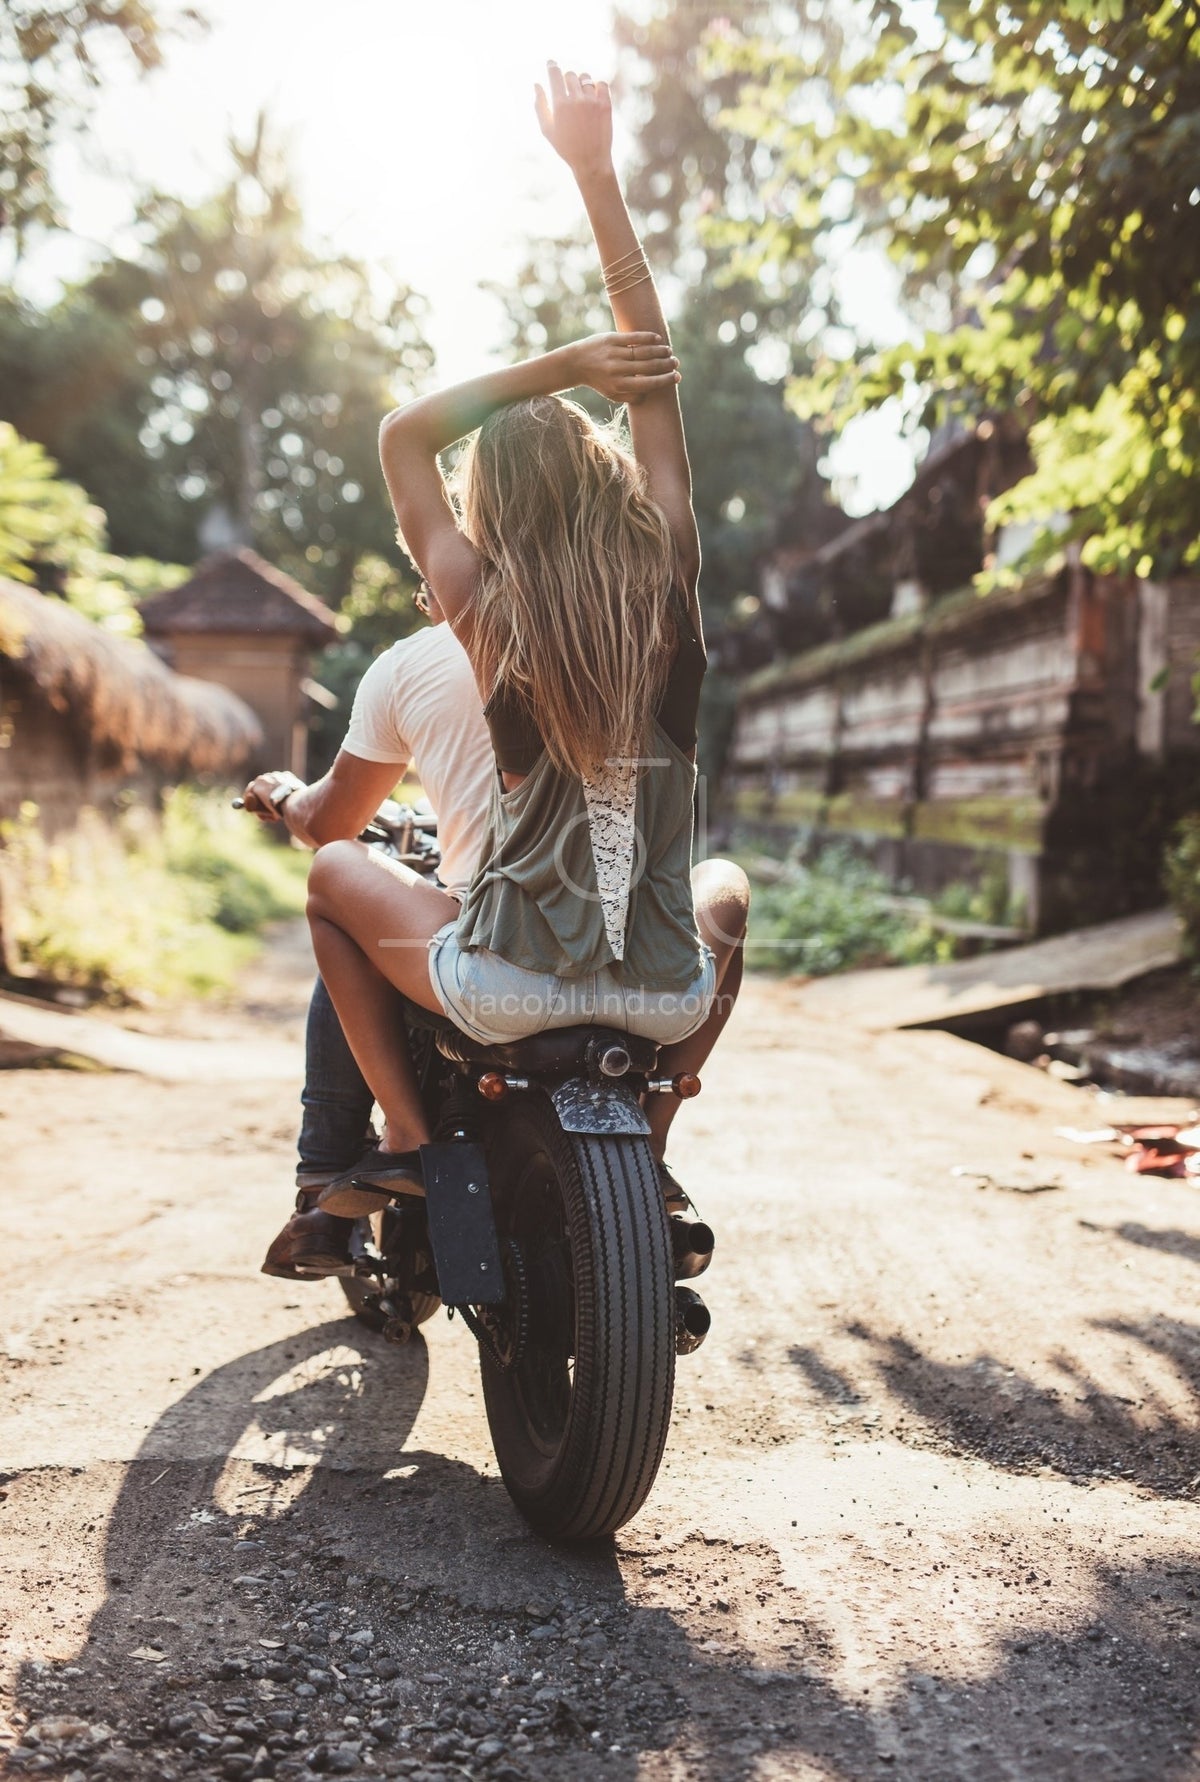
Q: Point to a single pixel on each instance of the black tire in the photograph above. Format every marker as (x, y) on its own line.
(363, 1294)
(579, 1420)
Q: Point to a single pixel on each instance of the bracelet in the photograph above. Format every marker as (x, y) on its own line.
(635, 253)
(637, 277)
(618, 275)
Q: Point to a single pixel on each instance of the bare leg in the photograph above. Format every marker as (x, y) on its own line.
(722, 898)
(371, 922)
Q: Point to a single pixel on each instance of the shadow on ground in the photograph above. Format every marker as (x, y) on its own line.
(292, 1593)
(988, 1409)
(1172, 1242)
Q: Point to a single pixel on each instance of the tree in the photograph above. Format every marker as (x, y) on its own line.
(751, 458)
(74, 381)
(228, 369)
(378, 611)
(690, 168)
(748, 453)
(44, 522)
(51, 58)
(753, 466)
(1033, 171)
(685, 164)
(52, 535)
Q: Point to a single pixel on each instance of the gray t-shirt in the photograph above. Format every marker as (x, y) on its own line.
(418, 703)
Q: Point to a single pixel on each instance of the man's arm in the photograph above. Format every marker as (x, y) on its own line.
(334, 808)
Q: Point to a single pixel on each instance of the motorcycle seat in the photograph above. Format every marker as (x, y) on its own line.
(562, 1052)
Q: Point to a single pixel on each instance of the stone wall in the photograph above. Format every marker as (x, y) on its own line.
(1044, 732)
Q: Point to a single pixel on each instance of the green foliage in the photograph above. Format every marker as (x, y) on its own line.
(381, 605)
(53, 58)
(753, 466)
(247, 877)
(50, 533)
(379, 610)
(556, 297)
(750, 457)
(106, 588)
(1032, 172)
(223, 366)
(43, 521)
(141, 907)
(987, 901)
(688, 169)
(835, 917)
(1182, 880)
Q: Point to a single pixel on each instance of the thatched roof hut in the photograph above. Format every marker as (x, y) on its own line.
(242, 622)
(115, 692)
(239, 592)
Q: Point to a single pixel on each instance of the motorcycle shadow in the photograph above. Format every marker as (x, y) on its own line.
(272, 1512)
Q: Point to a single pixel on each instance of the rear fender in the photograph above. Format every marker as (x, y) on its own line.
(587, 1107)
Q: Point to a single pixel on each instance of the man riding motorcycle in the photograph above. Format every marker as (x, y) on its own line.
(417, 704)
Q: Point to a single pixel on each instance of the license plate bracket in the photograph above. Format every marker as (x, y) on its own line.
(462, 1224)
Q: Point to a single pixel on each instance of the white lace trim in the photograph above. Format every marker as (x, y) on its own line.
(612, 823)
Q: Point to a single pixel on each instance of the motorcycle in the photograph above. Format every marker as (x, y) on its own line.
(545, 1229)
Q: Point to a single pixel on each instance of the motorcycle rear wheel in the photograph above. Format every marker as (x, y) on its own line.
(580, 1405)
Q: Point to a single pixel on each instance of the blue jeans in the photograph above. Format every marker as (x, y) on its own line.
(336, 1127)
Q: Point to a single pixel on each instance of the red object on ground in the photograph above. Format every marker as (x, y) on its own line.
(1156, 1151)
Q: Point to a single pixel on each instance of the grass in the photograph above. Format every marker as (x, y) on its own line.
(834, 917)
(144, 906)
(1181, 877)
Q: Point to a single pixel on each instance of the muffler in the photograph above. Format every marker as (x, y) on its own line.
(692, 1320)
(692, 1242)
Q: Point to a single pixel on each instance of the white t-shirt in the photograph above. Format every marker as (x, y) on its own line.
(418, 702)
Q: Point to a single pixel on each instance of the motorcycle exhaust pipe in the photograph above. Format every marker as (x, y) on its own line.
(692, 1242)
(692, 1320)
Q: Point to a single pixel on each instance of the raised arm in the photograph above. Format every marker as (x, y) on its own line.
(576, 119)
(620, 366)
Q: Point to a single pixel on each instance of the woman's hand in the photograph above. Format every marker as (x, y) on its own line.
(576, 120)
(623, 367)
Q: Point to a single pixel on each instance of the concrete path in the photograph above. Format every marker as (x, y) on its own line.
(1099, 958)
(49, 1032)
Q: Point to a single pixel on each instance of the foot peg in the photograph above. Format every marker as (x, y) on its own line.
(692, 1320)
(692, 1242)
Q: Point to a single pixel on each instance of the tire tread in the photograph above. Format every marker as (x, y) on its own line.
(625, 1356)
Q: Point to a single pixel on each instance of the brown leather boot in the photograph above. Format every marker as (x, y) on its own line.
(312, 1244)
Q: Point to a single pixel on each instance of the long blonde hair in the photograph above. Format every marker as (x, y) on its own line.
(573, 609)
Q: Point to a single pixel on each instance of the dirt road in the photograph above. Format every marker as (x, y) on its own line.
(929, 1508)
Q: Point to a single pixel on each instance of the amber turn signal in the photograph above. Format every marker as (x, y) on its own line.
(492, 1086)
(685, 1085)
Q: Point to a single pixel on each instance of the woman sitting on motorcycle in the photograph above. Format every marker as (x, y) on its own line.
(568, 570)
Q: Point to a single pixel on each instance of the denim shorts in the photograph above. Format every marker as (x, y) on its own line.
(495, 1002)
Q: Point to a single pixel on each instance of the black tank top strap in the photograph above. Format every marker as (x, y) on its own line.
(679, 707)
(517, 741)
